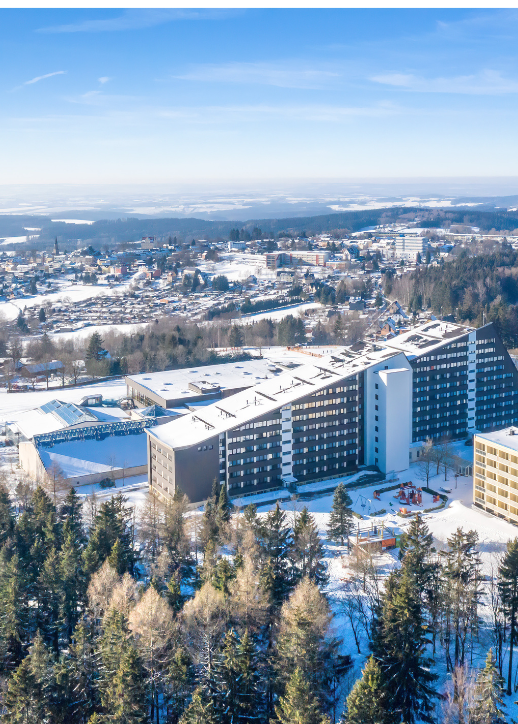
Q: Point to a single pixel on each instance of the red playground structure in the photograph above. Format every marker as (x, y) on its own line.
(409, 494)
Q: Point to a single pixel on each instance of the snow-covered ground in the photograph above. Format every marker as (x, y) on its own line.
(86, 332)
(277, 314)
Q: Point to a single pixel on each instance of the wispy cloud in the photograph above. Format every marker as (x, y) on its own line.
(42, 77)
(136, 19)
(283, 76)
(103, 79)
(487, 82)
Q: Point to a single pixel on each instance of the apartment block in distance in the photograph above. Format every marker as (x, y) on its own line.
(325, 419)
(495, 479)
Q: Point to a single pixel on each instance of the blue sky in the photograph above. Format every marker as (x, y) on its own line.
(162, 96)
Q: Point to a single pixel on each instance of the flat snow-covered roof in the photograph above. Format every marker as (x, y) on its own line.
(174, 384)
(425, 338)
(502, 437)
(245, 406)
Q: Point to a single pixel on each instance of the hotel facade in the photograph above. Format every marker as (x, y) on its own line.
(325, 419)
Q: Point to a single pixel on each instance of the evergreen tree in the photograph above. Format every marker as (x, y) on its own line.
(224, 506)
(28, 697)
(95, 349)
(399, 645)
(6, 516)
(22, 703)
(508, 585)
(209, 526)
(113, 646)
(277, 546)
(199, 711)
(308, 551)
(15, 625)
(175, 538)
(71, 512)
(73, 580)
(127, 699)
(49, 595)
(488, 705)
(84, 672)
(238, 698)
(340, 524)
(415, 549)
(366, 702)
(117, 559)
(236, 337)
(42, 317)
(180, 683)
(298, 705)
(461, 594)
(112, 522)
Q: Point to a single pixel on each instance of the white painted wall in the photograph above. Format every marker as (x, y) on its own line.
(388, 446)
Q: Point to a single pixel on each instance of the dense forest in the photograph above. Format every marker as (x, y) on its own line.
(133, 228)
(475, 288)
(221, 618)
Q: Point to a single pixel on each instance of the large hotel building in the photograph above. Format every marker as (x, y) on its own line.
(326, 418)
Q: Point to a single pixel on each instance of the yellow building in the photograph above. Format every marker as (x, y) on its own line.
(495, 479)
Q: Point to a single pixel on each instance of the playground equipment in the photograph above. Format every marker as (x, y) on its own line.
(364, 502)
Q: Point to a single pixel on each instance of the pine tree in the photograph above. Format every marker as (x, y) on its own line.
(28, 697)
(224, 506)
(298, 705)
(6, 516)
(236, 337)
(49, 595)
(180, 683)
(199, 711)
(84, 672)
(71, 512)
(22, 704)
(508, 585)
(116, 559)
(399, 645)
(113, 646)
(366, 702)
(127, 700)
(95, 350)
(14, 610)
(340, 524)
(112, 521)
(308, 551)
(209, 526)
(252, 695)
(237, 698)
(277, 548)
(461, 594)
(415, 551)
(73, 580)
(488, 705)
